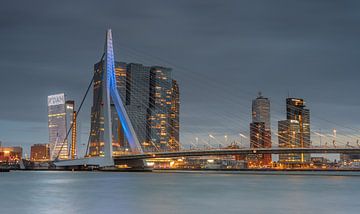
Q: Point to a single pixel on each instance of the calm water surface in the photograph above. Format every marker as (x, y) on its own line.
(112, 192)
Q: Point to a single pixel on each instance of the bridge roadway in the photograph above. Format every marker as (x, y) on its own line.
(136, 159)
(243, 151)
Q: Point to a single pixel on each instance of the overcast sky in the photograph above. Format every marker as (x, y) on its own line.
(222, 53)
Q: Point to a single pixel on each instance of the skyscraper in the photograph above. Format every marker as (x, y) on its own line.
(118, 139)
(151, 99)
(295, 110)
(57, 127)
(70, 119)
(260, 132)
(261, 111)
(162, 99)
(294, 132)
(174, 117)
(138, 102)
(96, 147)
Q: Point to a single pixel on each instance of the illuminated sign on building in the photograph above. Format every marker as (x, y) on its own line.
(56, 99)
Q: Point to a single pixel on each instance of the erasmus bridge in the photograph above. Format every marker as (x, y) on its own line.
(136, 156)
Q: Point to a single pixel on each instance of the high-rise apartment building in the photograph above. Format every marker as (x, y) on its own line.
(294, 132)
(151, 99)
(260, 132)
(261, 111)
(160, 107)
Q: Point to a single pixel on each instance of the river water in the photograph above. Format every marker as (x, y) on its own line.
(114, 192)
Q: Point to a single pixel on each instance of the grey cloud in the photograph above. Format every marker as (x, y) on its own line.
(222, 52)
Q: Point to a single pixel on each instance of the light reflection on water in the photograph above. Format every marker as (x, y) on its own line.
(112, 192)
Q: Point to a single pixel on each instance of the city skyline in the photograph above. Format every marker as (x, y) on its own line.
(60, 75)
(188, 106)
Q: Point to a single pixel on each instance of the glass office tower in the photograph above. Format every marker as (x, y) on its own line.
(57, 127)
(151, 99)
(294, 132)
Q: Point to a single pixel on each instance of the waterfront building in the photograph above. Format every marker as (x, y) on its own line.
(57, 127)
(40, 152)
(61, 114)
(347, 158)
(118, 137)
(295, 110)
(174, 117)
(96, 147)
(294, 132)
(260, 138)
(261, 111)
(138, 102)
(10, 154)
(260, 132)
(160, 110)
(71, 123)
(151, 99)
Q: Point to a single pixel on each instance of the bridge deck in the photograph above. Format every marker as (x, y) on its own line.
(216, 152)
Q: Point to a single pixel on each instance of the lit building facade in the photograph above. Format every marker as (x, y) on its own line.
(160, 109)
(151, 99)
(96, 147)
(260, 138)
(289, 137)
(174, 117)
(260, 131)
(10, 154)
(57, 127)
(70, 119)
(349, 157)
(118, 137)
(40, 152)
(294, 132)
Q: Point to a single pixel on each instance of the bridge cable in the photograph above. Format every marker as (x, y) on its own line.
(78, 111)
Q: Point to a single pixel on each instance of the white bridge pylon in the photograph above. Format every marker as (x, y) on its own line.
(109, 93)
